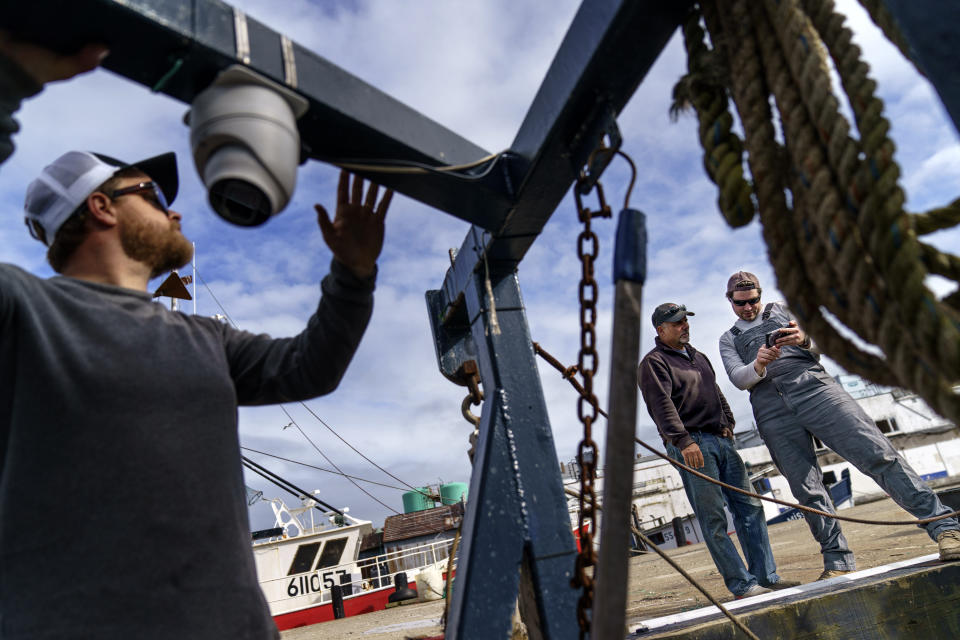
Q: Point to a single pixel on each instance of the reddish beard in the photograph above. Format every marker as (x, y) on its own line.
(161, 247)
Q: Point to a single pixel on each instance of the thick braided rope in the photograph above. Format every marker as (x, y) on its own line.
(723, 149)
(766, 164)
(829, 242)
(801, 231)
(779, 230)
(846, 230)
(937, 219)
(898, 326)
(821, 150)
(934, 361)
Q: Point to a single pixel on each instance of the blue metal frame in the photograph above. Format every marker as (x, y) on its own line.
(517, 511)
(932, 30)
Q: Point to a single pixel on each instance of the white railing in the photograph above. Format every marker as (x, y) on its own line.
(311, 588)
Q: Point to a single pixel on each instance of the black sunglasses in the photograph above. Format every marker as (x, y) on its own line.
(158, 200)
(743, 303)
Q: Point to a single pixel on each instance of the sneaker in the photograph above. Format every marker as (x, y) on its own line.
(949, 542)
(755, 590)
(783, 584)
(833, 573)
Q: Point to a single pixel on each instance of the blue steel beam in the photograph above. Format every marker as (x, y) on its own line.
(517, 513)
(348, 119)
(610, 46)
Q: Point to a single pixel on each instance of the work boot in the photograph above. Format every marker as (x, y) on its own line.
(783, 584)
(755, 590)
(949, 542)
(833, 573)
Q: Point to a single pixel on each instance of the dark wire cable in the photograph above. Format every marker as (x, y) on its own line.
(312, 466)
(556, 364)
(303, 433)
(286, 485)
(410, 167)
(313, 444)
(358, 452)
(210, 291)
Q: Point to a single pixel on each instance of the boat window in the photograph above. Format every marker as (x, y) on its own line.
(303, 559)
(888, 425)
(331, 553)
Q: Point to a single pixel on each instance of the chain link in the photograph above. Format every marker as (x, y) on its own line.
(469, 375)
(588, 248)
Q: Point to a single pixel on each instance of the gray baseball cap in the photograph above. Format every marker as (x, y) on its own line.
(742, 281)
(64, 185)
(670, 312)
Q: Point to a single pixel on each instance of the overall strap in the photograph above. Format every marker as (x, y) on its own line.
(735, 331)
(767, 310)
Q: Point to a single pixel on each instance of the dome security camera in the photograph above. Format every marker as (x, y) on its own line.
(246, 146)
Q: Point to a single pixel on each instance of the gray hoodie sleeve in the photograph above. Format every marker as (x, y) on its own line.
(742, 375)
(267, 370)
(15, 86)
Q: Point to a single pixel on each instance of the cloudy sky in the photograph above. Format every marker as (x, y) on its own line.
(475, 68)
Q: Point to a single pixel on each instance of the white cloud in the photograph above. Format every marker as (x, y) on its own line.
(474, 68)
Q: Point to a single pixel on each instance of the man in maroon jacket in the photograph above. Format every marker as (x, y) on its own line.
(680, 390)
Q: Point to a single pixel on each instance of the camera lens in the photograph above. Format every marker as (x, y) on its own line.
(240, 202)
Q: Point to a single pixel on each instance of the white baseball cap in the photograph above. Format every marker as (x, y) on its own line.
(65, 184)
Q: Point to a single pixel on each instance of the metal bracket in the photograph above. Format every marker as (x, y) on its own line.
(603, 136)
(242, 35)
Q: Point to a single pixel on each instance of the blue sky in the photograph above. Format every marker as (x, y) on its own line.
(473, 67)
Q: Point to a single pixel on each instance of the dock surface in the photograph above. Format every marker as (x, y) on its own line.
(655, 589)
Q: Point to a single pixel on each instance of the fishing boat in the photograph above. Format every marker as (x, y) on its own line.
(309, 550)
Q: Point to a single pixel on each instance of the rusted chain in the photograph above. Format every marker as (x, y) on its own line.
(588, 247)
(680, 465)
(647, 541)
(468, 375)
(467, 414)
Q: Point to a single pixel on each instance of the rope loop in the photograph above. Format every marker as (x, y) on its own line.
(843, 248)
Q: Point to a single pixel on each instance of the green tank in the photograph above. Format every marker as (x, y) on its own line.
(453, 492)
(418, 500)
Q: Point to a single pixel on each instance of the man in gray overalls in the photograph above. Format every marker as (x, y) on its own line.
(680, 390)
(794, 398)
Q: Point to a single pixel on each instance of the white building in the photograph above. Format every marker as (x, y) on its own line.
(930, 444)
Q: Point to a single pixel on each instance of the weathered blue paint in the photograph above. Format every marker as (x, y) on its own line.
(630, 252)
(517, 511)
(932, 31)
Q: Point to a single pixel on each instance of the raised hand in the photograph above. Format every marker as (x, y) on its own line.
(355, 235)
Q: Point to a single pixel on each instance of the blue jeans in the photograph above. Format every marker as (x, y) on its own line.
(721, 461)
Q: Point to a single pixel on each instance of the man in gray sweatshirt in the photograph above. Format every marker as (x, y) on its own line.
(793, 399)
(122, 503)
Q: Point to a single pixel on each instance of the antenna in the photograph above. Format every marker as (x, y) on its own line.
(194, 277)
